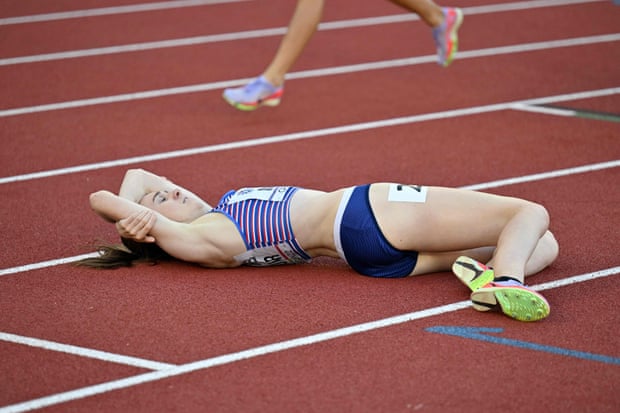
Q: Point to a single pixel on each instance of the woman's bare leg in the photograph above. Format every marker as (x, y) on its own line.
(458, 220)
(305, 21)
(544, 254)
(428, 11)
(430, 262)
(267, 89)
(302, 26)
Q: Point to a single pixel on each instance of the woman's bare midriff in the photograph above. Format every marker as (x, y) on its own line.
(312, 217)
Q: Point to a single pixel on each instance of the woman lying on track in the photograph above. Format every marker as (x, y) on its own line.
(380, 230)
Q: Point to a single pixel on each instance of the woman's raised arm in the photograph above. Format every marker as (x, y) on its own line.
(183, 241)
(138, 182)
(112, 207)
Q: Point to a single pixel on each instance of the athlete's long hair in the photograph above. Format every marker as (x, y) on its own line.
(128, 253)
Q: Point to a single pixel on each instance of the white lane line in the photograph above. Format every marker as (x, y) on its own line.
(476, 187)
(203, 87)
(544, 110)
(271, 348)
(104, 11)
(85, 352)
(310, 134)
(45, 264)
(279, 31)
(577, 279)
(544, 175)
(136, 47)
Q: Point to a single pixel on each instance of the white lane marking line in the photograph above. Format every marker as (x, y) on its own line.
(544, 110)
(576, 279)
(85, 352)
(492, 184)
(203, 87)
(545, 175)
(306, 135)
(271, 348)
(45, 264)
(135, 47)
(278, 31)
(104, 11)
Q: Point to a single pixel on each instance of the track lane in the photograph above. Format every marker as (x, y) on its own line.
(122, 28)
(378, 342)
(182, 122)
(33, 7)
(31, 373)
(29, 85)
(442, 164)
(398, 374)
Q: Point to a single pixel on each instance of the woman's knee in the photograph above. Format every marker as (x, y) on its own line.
(551, 246)
(544, 255)
(539, 213)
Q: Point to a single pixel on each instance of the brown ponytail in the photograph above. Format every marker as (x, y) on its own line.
(128, 253)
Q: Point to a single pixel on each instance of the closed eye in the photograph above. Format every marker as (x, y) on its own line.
(159, 197)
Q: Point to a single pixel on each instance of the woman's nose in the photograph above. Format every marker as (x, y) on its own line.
(176, 194)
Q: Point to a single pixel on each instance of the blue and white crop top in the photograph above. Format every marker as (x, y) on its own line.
(262, 216)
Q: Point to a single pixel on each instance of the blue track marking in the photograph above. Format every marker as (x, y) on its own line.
(482, 334)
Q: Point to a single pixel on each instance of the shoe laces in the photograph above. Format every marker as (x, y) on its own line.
(257, 84)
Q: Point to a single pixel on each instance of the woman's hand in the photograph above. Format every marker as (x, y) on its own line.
(137, 226)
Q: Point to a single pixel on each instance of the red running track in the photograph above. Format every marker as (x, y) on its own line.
(172, 322)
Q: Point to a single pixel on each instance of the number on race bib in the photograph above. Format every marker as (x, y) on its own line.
(407, 193)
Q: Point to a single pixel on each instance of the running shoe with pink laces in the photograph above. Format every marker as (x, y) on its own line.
(257, 93)
(446, 37)
(513, 298)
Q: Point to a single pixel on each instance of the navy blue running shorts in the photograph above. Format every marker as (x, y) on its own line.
(361, 243)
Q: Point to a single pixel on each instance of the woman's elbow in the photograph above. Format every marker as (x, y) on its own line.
(96, 198)
(134, 173)
(98, 203)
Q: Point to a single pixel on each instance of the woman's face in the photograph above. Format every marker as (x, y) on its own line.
(176, 205)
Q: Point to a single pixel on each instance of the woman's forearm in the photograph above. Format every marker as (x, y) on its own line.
(112, 207)
(138, 182)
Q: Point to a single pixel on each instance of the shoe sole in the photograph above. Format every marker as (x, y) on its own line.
(454, 39)
(247, 107)
(516, 302)
(472, 273)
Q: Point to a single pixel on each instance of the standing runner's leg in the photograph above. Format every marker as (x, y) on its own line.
(301, 28)
(268, 88)
(445, 22)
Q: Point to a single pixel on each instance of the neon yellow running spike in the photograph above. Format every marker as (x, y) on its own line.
(515, 300)
(472, 273)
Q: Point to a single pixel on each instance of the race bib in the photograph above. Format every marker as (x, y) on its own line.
(274, 194)
(407, 193)
(278, 254)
